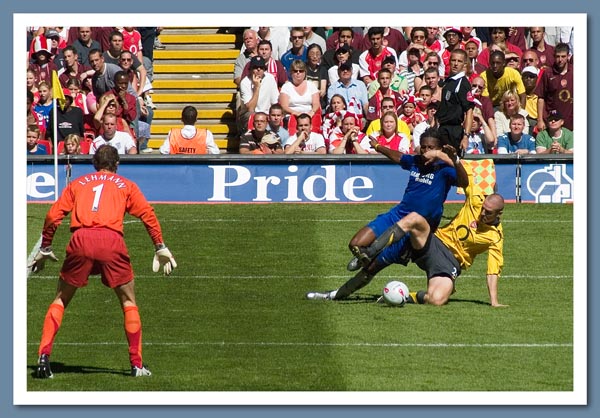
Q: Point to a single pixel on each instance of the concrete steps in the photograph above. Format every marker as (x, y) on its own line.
(196, 68)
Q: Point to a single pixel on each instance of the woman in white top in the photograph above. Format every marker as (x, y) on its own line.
(299, 96)
(509, 105)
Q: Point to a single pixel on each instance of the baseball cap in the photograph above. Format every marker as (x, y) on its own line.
(530, 69)
(433, 105)
(554, 115)
(413, 51)
(345, 66)
(270, 138)
(342, 50)
(258, 62)
(389, 60)
(67, 92)
(52, 33)
(511, 56)
(455, 30)
(473, 41)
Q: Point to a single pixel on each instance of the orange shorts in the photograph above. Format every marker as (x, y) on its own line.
(97, 251)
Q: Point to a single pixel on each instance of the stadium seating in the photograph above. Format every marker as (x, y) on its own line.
(47, 144)
(195, 68)
(84, 144)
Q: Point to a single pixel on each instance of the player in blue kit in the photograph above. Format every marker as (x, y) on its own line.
(432, 173)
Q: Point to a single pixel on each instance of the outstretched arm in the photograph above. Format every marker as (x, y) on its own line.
(393, 155)
(492, 284)
(448, 155)
(462, 178)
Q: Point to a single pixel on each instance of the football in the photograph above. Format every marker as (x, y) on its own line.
(395, 293)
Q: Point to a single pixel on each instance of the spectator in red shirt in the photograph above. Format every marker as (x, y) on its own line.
(499, 43)
(72, 67)
(371, 60)
(126, 101)
(544, 51)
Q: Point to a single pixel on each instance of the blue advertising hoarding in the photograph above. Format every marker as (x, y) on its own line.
(300, 182)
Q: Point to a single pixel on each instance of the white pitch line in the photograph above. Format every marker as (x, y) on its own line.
(334, 220)
(321, 344)
(280, 277)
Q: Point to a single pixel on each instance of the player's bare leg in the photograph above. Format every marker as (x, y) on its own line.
(439, 290)
(363, 238)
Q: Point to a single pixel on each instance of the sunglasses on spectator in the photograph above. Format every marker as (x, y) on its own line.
(528, 59)
(297, 37)
(433, 63)
(297, 71)
(126, 59)
(418, 37)
(513, 59)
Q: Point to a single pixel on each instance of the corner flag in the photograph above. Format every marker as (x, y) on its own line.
(484, 174)
(57, 91)
(58, 98)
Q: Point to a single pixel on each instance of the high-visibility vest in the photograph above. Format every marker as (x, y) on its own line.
(180, 145)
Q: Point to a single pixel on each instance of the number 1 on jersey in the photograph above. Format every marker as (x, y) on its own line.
(97, 192)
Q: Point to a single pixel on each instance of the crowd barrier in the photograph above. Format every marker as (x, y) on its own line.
(303, 179)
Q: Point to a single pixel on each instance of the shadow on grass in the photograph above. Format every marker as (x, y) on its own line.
(475, 302)
(64, 369)
(372, 298)
(360, 298)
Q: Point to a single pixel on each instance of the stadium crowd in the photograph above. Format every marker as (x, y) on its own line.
(322, 90)
(100, 71)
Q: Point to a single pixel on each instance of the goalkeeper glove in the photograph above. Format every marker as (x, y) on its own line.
(39, 261)
(163, 258)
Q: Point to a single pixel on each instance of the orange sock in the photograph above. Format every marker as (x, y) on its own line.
(52, 323)
(133, 330)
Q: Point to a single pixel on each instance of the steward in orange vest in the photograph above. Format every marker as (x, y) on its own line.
(180, 145)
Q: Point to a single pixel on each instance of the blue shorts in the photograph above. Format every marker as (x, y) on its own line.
(384, 220)
(398, 252)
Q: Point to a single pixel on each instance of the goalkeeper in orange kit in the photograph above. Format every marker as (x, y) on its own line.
(97, 203)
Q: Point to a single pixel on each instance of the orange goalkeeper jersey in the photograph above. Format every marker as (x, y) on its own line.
(100, 200)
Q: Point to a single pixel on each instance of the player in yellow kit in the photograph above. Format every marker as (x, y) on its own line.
(443, 254)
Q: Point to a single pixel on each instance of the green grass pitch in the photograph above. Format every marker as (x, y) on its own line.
(233, 316)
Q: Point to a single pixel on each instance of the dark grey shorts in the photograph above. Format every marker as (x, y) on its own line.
(436, 259)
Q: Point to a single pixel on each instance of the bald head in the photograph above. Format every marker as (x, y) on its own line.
(492, 209)
(495, 201)
(530, 58)
(478, 80)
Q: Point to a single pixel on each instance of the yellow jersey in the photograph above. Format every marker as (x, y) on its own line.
(466, 237)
